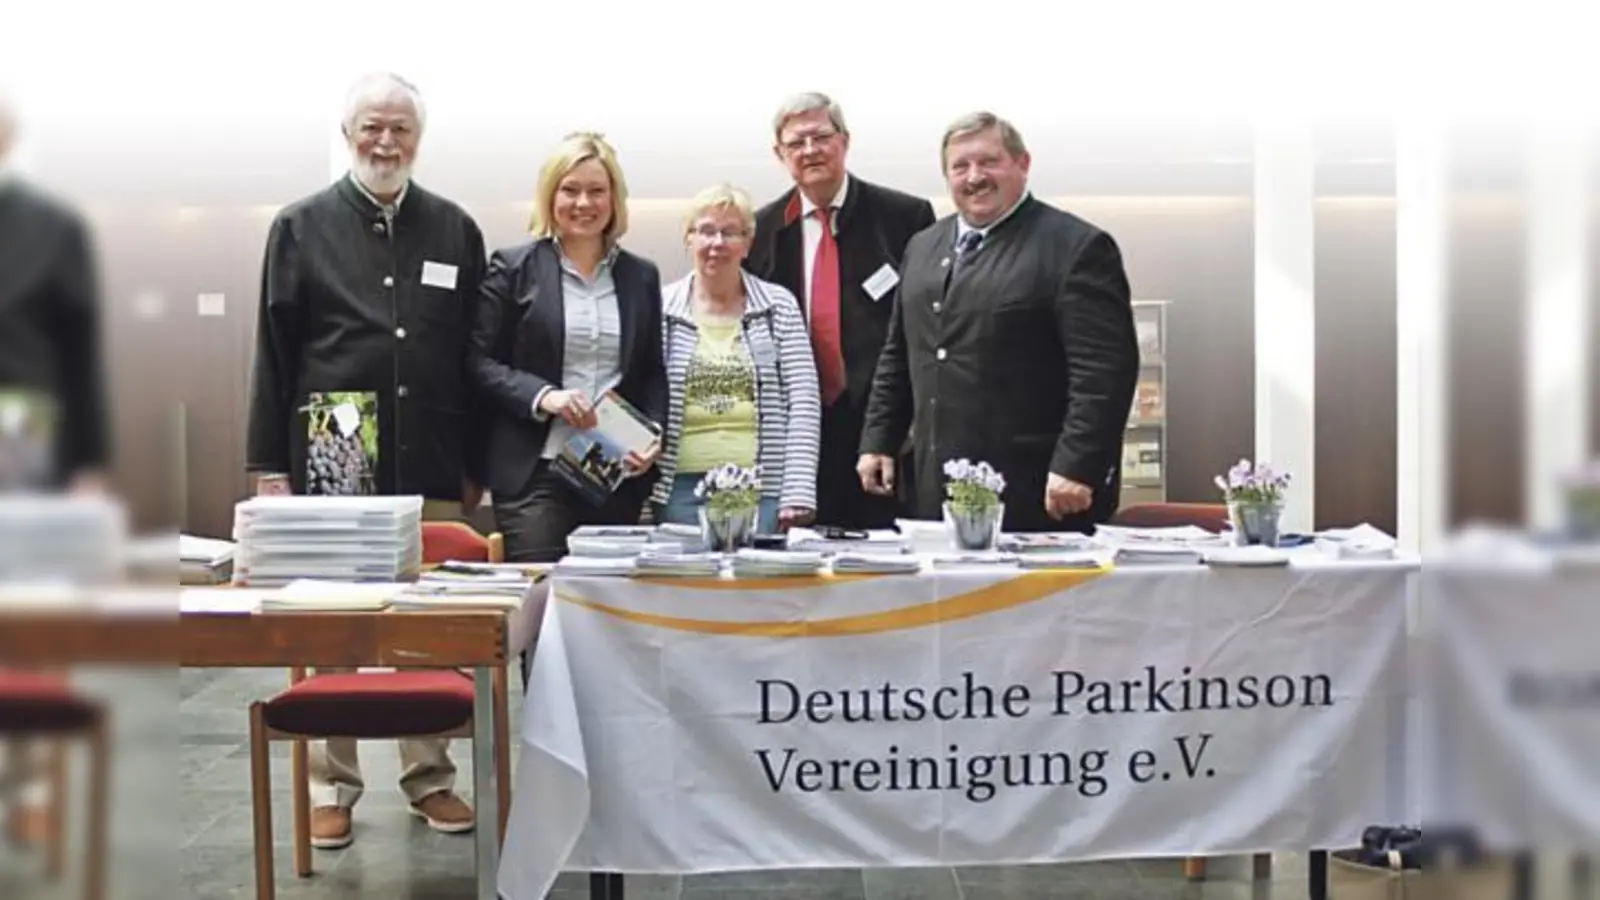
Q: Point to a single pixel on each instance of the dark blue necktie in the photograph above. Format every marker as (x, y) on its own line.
(966, 246)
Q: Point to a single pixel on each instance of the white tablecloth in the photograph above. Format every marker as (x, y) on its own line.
(675, 726)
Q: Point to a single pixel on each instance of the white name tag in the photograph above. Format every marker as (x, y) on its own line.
(881, 282)
(439, 275)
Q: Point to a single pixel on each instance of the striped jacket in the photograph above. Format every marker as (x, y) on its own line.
(788, 400)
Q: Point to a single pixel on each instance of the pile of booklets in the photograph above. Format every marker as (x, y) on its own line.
(670, 561)
(62, 538)
(457, 584)
(853, 563)
(204, 561)
(752, 563)
(829, 541)
(338, 538)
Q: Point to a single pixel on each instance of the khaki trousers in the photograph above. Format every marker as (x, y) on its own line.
(425, 766)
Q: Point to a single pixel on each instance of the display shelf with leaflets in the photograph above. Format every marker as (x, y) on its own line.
(1144, 449)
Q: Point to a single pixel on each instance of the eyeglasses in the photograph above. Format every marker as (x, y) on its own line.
(709, 234)
(801, 143)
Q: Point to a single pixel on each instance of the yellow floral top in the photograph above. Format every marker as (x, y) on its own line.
(719, 413)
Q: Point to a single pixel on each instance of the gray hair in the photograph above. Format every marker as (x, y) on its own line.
(382, 86)
(810, 101)
(983, 120)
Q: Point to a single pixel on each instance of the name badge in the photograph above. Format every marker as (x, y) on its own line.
(764, 354)
(881, 282)
(439, 275)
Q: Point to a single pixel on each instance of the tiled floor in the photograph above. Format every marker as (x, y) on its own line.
(396, 857)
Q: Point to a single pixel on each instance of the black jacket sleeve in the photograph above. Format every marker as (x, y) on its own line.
(508, 389)
(275, 375)
(1094, 315)
(86, 442)
(476, 440)
(889, 404)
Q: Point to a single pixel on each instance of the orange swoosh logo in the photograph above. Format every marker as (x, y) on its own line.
(1025, 588)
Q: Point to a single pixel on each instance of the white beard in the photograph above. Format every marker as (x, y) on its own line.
(382, 178)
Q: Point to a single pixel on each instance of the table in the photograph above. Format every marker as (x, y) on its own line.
(141, 634)
(682, 725)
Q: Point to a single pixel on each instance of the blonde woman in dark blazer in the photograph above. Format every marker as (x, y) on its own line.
(742, 381)
(563, 318)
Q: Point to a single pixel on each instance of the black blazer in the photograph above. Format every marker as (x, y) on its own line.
(518, 348)
(874, 225)
(1031, 354)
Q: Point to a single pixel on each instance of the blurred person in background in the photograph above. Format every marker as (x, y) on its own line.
(1013, 344)
(368, 286)
(54, 421)
(741, 374)
(835, 242)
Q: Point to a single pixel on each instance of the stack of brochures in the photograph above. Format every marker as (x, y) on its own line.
(590, 566)
(338, 538)
(204, 560)
(1155, 554)
(1083, 559)
(464, 585)
(962, 560)
(830, 541)
(688, 537)
(876, 564)
(316, 595)
(76, 539)
(673, 562)
(752, 563)
(1363, 542)
(1048, 542)
(601, 547)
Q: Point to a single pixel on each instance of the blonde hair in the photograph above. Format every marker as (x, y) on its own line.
(575, 150)
(721, 196)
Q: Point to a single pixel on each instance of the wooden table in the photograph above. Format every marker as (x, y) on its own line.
(146, 635)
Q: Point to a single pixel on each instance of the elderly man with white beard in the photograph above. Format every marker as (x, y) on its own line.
(368, 286)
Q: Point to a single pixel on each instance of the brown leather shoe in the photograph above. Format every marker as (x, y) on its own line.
(445, 812)
(330, 827)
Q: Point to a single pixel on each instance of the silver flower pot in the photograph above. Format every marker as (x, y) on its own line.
(974, 529)
(1255, 522)
(725, 531)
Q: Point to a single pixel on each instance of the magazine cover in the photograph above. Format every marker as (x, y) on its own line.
(341, 443)
(27, 440)
(591, 461)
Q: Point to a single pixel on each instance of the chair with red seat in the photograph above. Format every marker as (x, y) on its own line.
(37, 705)
(1213, 517)
(446, 541)
(410, 703)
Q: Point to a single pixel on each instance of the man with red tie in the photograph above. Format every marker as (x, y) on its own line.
(835, 242)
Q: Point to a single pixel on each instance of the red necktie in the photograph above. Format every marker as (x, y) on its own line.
(825, 340)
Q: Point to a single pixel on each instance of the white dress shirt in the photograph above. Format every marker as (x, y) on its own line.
(592, 341)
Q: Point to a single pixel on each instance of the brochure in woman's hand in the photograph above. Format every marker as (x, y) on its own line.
(592, 460)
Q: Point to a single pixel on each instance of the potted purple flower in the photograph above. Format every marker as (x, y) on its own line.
(1254, 494)
(972, 508)
(730, 497)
